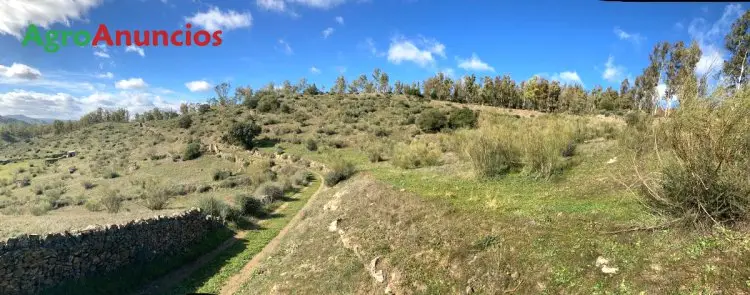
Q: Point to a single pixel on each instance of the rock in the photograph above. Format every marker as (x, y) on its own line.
(600, 261)
(609, 270)
(333, 227)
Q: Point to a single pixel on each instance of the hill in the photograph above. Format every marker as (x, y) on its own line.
(443, 199)
(30, 120)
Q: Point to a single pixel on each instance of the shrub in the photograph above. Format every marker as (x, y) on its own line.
(192, 151)
(204, 108)
(374, 154)
(542, 150)
(704, 174)
(415, 155)
(462, 118)
(340, 170)
(221, 175)
(155, 198)
(268, 103)
(40, 208)
(269, 189)
(185, 121)
(93, 205)
(218, 208)
(311, 145)
(248, 205)
(301, 178)
(492, 153)
(111, 200)
(431, 120)
(243, 133)
(110, 174)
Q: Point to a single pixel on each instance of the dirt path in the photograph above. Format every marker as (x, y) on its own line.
(170, 280)
(234, 283)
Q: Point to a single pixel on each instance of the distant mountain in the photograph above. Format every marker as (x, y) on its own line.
(9, 120)
(29, 120)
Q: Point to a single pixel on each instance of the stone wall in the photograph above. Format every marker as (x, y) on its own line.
(30, 263)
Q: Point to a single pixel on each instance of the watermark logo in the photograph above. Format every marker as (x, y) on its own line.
(52, 40)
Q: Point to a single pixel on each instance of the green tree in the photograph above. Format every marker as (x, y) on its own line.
(737, 42)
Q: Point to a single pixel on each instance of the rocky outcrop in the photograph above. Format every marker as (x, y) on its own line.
(31, 263)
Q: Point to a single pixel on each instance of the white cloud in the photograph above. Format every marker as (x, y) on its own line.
(711, 60)
(20, 72)
(285, 47)
(314, 70)
(340, 20)
(327, 32)
(107, 75)
(198, 86)
(710, 38)
(402, 49)
(612, 72)
(474, 64)
(274, 5)
(101, 54)
(449, 72)
(632, 37)
(132, 83)
(16, 15)
(324, 4)
(136, 49)
(66, 106)
(565, 77)
(214, 19)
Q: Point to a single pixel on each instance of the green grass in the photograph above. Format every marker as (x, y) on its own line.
(211, 278)
(131, 278)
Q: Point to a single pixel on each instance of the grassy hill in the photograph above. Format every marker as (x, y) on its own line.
(445, 199)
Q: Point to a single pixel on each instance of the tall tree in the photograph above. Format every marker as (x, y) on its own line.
(737, 42)
(340, 86)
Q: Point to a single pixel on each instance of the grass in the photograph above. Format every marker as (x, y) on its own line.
(211, 278)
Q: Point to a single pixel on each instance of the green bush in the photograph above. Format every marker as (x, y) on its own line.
(221, 174)
(432, 120)
(155, 198)
(243, 133)
(311, 145)
(415, 155)
(249, 205)
(301, 178)
(268, 103)
(185, 121)
(217, 208)
(192, 151)
(340, 170)
(492, 154)
(462, 118)
(702, 175)
(269, 189)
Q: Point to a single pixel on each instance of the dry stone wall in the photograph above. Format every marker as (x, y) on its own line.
(30, 263)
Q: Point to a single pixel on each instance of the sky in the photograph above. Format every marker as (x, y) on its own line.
(574, 41)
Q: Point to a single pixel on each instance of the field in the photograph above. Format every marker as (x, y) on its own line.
(444, 198)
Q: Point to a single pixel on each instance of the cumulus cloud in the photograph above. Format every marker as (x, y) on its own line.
(474, 64)
(612, 72)
(565, 77)
(314, 70)
(632, 37)
(214, 19)
(421, 51)
(327, 32)
(20, 72)
(136, 49)
(15, 16)
(198, 86)
(132, 83)
(340, 20)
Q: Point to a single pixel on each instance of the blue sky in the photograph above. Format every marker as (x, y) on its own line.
(588, 42)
